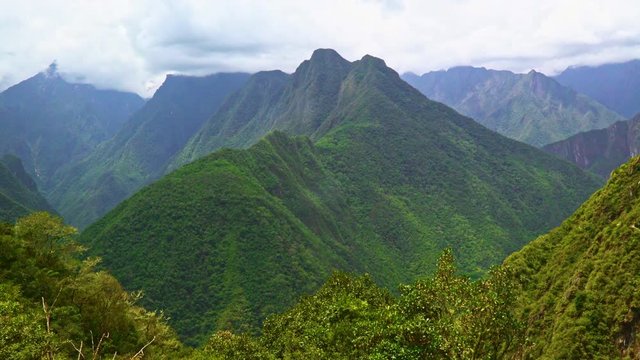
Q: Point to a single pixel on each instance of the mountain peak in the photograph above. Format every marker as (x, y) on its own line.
(323, 60)
(325, 55)
(372, 60)
(52, 70)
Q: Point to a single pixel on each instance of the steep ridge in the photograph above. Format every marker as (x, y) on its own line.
(617, 86)
(601, 151)
(580, 282)
(297, 104)
(140, 152)
(18, 192)
(531, 108)
(48, 122)
(387, 180)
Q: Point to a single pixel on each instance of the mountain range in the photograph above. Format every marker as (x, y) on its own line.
(617, 86)
(601, 151)
(142, 149)
(532, 108)
(48, 122)
(359, 172)
(231, 199)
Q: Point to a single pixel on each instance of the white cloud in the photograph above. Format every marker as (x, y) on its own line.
(131, 45)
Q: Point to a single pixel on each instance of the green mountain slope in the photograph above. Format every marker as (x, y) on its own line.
(54, 306)
(390, 179)
(601, 151)
(531, 108)
(580, 282)
(48, 122)
(18, 192)
(140, 152)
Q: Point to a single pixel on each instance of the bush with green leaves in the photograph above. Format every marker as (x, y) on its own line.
(447, 316)
(53, 305)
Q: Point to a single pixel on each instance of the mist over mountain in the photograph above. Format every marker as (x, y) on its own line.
(531, 108)
(48, 122)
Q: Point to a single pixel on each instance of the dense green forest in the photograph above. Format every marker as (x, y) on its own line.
(55, 306)
(570, 294)
(446, 316)
(580, 283)
(386, 182)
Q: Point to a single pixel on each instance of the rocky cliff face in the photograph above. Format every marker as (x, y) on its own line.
(601, 151)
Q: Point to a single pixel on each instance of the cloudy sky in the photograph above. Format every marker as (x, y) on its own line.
(131, 45)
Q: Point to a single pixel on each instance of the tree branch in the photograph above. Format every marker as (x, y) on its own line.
(141, 351)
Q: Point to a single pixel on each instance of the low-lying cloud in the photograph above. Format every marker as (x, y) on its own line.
(131, 45)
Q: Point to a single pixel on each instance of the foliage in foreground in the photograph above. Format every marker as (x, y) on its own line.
(447, 316)
(55, 306)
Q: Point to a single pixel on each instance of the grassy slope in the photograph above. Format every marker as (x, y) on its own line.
(580, 282)
(394, 179)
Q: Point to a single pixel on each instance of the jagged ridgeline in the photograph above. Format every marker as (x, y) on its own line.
(614, 85)
(48, 122)
(386, 180)
(139, 153)
(581, 282)
(531, 108)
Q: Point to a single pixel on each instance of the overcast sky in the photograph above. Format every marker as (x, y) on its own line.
(131, 45)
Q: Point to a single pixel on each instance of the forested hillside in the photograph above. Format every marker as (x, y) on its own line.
(579, 283)
(389, 182)
(570, 294)
(54, 306)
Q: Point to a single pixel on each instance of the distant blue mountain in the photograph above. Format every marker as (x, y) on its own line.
(617, 86)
